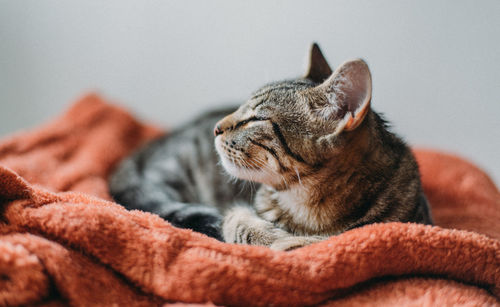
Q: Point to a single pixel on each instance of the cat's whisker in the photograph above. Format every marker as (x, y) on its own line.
(284, 180)
(252, 183)
(254, 166)
(264, 166)
(269, 171)
(251, 167)
(233, 178)
(298, 175)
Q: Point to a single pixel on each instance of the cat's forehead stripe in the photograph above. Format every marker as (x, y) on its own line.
(255, 101)
(260, 96)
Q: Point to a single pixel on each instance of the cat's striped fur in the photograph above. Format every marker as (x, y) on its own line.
(322, 160)
(179, 178)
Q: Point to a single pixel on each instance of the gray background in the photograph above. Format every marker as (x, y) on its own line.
(435, 64)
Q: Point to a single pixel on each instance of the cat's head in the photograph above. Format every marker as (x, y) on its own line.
(289, 129)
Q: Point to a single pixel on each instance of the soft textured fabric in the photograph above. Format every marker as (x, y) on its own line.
(63, 241)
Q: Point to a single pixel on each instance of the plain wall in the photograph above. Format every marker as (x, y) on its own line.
(435, 64)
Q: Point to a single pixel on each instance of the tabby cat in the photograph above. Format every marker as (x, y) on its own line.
(309, 159)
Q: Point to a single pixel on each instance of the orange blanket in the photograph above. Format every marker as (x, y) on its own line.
(62, 241)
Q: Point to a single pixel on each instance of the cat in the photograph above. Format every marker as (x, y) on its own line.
(315, 161)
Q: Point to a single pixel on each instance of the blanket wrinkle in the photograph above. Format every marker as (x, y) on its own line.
(78, 278)
(17, 263)
(74, 246)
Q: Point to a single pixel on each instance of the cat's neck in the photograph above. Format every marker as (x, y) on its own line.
(316, 203)
(327, 198)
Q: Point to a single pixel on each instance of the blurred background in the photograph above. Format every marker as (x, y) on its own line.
(435, 64)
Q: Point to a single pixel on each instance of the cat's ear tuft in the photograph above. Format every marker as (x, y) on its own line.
(348, 92)
(318, 69)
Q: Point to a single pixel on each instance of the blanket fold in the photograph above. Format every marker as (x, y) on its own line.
(62, 239)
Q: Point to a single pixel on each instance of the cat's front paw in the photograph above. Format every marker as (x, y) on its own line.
(242, 226)
(235, 225)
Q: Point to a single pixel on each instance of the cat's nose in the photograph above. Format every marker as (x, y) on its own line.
(219, 127)
(223, 125)
(217, 130)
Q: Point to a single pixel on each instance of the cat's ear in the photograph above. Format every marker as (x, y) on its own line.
(318, 69)
(348, 92)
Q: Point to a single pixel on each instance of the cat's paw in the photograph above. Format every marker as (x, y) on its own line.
(236, 223)
(291, 242)
(242, 226)
(199, 218)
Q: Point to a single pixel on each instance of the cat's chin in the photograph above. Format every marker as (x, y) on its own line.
(244, 173)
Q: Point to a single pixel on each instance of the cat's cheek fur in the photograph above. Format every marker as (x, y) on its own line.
(262, 176)
(226, 163)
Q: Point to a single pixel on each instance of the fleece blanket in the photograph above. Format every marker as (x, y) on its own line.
(64, 242)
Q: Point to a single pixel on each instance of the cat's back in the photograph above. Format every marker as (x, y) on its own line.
(184, 162)
(396, 187)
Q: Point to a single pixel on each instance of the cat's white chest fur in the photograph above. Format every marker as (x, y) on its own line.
(295, 201)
